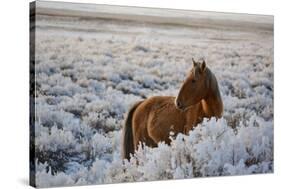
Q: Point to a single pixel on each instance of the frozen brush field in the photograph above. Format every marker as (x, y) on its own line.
(90, 71)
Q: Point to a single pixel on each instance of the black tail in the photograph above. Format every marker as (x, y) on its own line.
(128, 139)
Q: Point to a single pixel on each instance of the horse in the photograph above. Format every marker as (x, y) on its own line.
(153, 120)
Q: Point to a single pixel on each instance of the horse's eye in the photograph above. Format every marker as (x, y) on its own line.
(193, 80)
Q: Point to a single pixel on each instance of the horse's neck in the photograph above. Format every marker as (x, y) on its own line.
(212, 104)
(212, 107)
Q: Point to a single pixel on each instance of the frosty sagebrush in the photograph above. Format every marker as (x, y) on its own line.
(83, 93)
(211, 149)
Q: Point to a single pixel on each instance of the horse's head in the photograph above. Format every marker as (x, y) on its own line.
(195, 86)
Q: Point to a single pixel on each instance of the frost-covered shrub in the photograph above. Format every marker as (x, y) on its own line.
(46, 179)
(211, 149)
(86, 82)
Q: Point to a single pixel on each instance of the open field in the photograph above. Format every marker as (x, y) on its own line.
(91, 67)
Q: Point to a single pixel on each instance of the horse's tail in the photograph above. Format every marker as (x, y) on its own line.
(128, 140)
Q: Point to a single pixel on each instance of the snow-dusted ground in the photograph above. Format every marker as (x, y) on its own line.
(90, 71)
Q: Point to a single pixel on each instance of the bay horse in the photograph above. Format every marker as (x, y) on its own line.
(152, 120)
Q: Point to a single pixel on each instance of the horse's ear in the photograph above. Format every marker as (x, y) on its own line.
(203, 66)
(194, 63)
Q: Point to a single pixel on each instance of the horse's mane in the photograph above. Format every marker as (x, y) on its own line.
(212, 83)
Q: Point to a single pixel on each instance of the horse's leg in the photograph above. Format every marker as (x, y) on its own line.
(157, 137)
(141, 136)
(158, 132)
(187, 128)
(138, 133)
